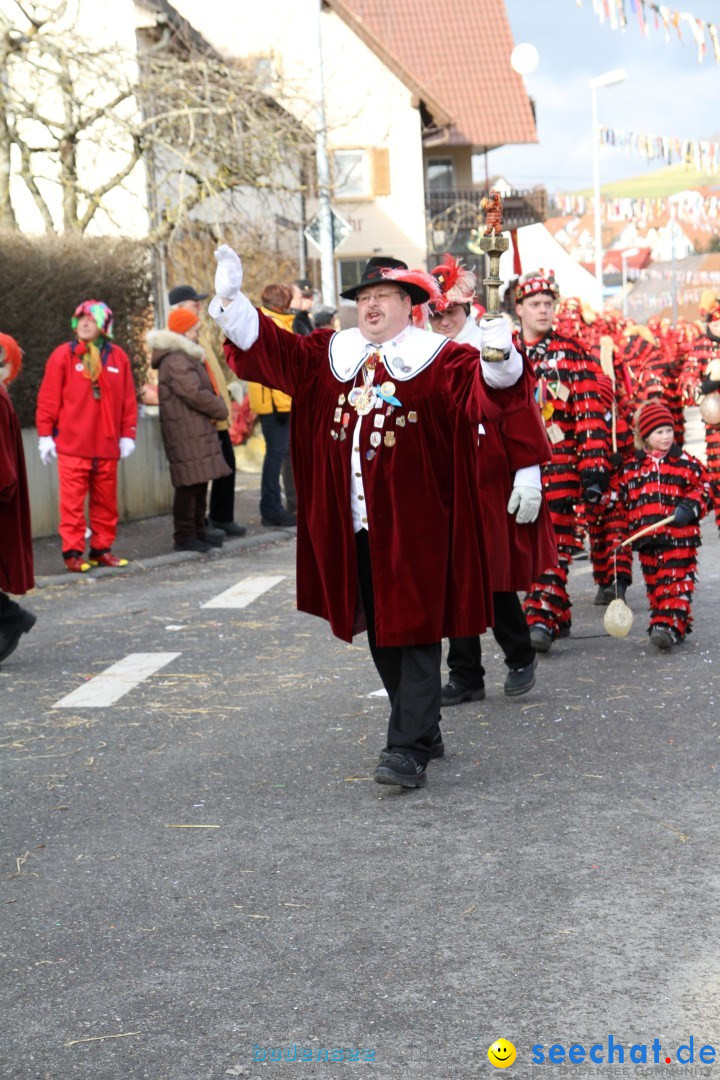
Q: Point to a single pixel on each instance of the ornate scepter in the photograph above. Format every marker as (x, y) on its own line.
(493, 243)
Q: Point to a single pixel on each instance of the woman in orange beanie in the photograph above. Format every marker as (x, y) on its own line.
(188, 405)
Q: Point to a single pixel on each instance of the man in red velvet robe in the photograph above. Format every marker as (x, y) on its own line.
(391, 534)
(16, 553)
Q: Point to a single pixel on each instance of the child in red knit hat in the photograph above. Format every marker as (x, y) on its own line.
(662, 480)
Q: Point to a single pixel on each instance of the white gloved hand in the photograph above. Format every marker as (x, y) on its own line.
(126, 447)
(495, 334)
(236, 391)
(47, 448)
(527, 502)
(229, 273)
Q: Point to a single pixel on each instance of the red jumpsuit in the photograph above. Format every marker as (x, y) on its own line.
(87, 432)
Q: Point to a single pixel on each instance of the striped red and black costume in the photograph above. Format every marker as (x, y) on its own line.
(657, 370)
(580, 458)
(605, 521)
(704, 350)
(648, 489)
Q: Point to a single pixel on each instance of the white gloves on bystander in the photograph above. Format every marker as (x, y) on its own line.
(527, 502)
(228, 274)
(126, 447)
(46, 446)
(495, 334)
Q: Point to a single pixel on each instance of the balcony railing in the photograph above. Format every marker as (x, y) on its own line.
(455, 219)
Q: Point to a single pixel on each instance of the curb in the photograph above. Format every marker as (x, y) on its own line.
(272, 536)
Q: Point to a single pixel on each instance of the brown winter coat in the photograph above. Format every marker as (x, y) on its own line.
(188, 404)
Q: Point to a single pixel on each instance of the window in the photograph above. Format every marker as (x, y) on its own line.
(351, 174)
(350, 271)
(440, 174)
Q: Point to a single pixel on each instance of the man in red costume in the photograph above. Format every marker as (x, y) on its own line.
(516, 516)
(390, 530)
(700, 376)
(86, 416)
(16, 553)
(576, 424)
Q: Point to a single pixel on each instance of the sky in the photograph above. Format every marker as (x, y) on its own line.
(667, 92)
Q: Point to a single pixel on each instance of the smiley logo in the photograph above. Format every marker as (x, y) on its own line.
(501, 1054)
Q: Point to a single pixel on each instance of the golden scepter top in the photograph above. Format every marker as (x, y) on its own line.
(493, 243)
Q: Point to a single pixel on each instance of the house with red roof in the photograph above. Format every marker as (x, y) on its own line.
(412, 94)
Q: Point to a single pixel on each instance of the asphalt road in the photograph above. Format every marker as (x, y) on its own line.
(555, 883)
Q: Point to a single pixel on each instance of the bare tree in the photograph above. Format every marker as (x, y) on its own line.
(78, 122)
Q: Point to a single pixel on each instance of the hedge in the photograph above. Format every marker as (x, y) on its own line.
(44, 278)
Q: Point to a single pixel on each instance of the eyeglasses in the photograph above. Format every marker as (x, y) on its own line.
(379, 294)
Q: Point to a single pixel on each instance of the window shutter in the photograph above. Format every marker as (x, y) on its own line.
(380, 166)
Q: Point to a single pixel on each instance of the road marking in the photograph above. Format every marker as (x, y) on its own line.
(378, 693)
(116, 681)
(244, 592)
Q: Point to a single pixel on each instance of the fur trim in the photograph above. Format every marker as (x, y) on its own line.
(165, 340)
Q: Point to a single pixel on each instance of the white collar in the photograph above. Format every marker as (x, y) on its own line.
(403, 357)
(469, 333)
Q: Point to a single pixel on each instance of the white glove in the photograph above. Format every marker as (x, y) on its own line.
(126, 447)
(229, 273)
(527, 502)
(46, 446)
(236, 391)
(495, 334)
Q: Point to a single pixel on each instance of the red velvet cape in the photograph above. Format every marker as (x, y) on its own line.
(16, 553)
(429, 550)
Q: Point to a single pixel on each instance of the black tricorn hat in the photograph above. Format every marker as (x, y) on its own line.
(373, 275)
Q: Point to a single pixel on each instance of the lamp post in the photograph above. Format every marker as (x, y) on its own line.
(610, 78)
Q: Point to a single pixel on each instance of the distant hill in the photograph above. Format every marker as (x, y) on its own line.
(656, 184)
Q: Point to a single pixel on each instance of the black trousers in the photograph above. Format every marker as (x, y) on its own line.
(409, 673)
(511, 633)
(189, 511)
(222, 491)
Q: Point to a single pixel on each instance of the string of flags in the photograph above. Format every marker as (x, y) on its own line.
(702, 211)
(702, 154)
(659, 17)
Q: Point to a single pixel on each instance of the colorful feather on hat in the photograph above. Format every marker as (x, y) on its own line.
(415, 277)
(456, 281)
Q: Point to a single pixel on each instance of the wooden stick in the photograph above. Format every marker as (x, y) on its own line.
(646, 530)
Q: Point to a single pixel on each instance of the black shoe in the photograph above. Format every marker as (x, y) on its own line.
(12, 630)
(563, 631)
(604, 595)
(283, 520)
(193, 543)
(454, 693)
(661, 638)
(211, 535)
(228, 528)
(520, 680)
(540, 638)
(437, 749)
(618, 591)
(401, 768)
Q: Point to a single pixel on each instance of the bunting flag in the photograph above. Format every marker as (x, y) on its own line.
(701, 154)
(659, 17)
(688, 206)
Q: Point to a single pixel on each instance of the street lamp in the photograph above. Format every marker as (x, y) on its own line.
(610, 78)
(624, 256)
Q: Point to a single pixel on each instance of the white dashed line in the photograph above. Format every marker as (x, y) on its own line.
(243, 593)
(116, 681)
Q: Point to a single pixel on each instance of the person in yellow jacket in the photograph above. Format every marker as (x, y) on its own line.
(273, 410)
